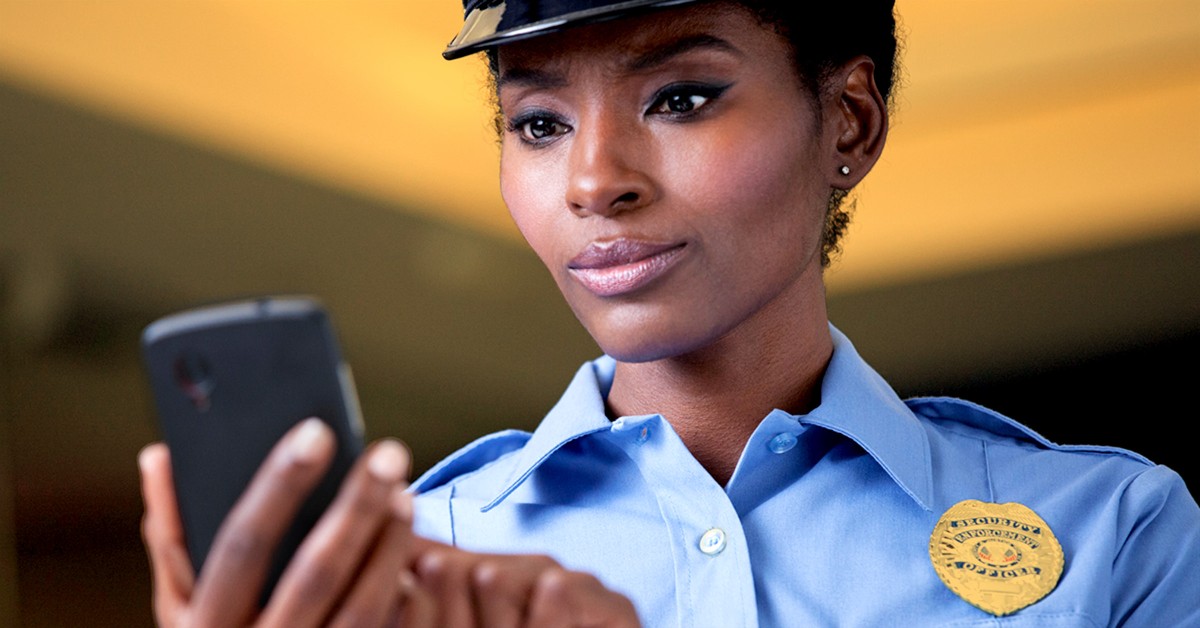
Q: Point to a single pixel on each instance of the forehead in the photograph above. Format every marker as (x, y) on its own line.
(620, 42)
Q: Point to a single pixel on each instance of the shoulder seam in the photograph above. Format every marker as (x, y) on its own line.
(1030, 434)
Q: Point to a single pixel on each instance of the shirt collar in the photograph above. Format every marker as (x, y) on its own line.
(578, 413)
(855, 402)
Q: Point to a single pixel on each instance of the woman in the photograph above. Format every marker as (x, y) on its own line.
(678, 166)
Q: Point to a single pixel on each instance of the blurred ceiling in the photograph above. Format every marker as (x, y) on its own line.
(1027, 128)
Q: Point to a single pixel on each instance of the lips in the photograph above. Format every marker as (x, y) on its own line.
(621, 266)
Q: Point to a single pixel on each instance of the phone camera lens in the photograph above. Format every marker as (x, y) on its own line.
(193, 378)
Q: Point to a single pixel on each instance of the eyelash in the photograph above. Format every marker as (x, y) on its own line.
(660, 105)
(662, 101)
(520, 123)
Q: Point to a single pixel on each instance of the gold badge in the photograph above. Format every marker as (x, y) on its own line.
(999, 557)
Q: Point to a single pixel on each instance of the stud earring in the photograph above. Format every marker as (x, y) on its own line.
(845, 170)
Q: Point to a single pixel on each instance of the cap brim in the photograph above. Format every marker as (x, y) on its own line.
(482, 27)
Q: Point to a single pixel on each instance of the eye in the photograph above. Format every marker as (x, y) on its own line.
(685, 99)
(537, 127)
(540, 128)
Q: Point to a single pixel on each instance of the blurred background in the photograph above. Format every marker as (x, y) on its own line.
(1031, 239)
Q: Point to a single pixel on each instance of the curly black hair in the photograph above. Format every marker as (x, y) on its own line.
(823, 36)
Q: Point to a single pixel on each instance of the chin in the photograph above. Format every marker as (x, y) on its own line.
(651, 340)
(634, 353)
(656, 325)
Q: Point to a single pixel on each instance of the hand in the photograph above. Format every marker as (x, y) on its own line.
(360, 566)
(344, 573)
(458, 589)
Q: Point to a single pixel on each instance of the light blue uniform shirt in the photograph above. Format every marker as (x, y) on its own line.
(827, 518)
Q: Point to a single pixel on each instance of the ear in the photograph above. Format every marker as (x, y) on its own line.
(860, 121)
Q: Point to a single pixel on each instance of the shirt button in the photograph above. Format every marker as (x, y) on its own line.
(713, 541)
(782, 442)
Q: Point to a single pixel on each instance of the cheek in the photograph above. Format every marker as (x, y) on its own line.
(533, 201)
(759, 181)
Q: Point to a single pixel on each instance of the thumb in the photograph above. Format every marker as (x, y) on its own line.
(162, 533)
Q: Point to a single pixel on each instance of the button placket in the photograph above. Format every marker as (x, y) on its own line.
(701, 521)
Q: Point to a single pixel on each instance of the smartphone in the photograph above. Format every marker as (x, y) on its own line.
(228, 381)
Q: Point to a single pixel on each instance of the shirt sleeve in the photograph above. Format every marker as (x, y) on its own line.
(1156, 571)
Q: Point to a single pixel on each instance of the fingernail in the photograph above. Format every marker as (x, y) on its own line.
(402, 504)
(310, 440)
(387, 462)
(406, 581)
(147, 454)
(143, 459)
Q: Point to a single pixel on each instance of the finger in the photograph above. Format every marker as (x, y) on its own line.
(444, 573)
(232, 578)
(416, 607)
(378, 588)
(502, 586)
(162, 533)
(572, 599)
(335, 550)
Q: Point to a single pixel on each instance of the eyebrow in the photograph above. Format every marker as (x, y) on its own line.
(663, 54)
(646, 61)
(530, 78)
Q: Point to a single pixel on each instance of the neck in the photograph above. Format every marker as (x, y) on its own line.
(714, 398)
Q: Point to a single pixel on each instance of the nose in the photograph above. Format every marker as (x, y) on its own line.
(608, 169)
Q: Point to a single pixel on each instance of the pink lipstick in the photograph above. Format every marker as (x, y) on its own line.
(621, 266)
